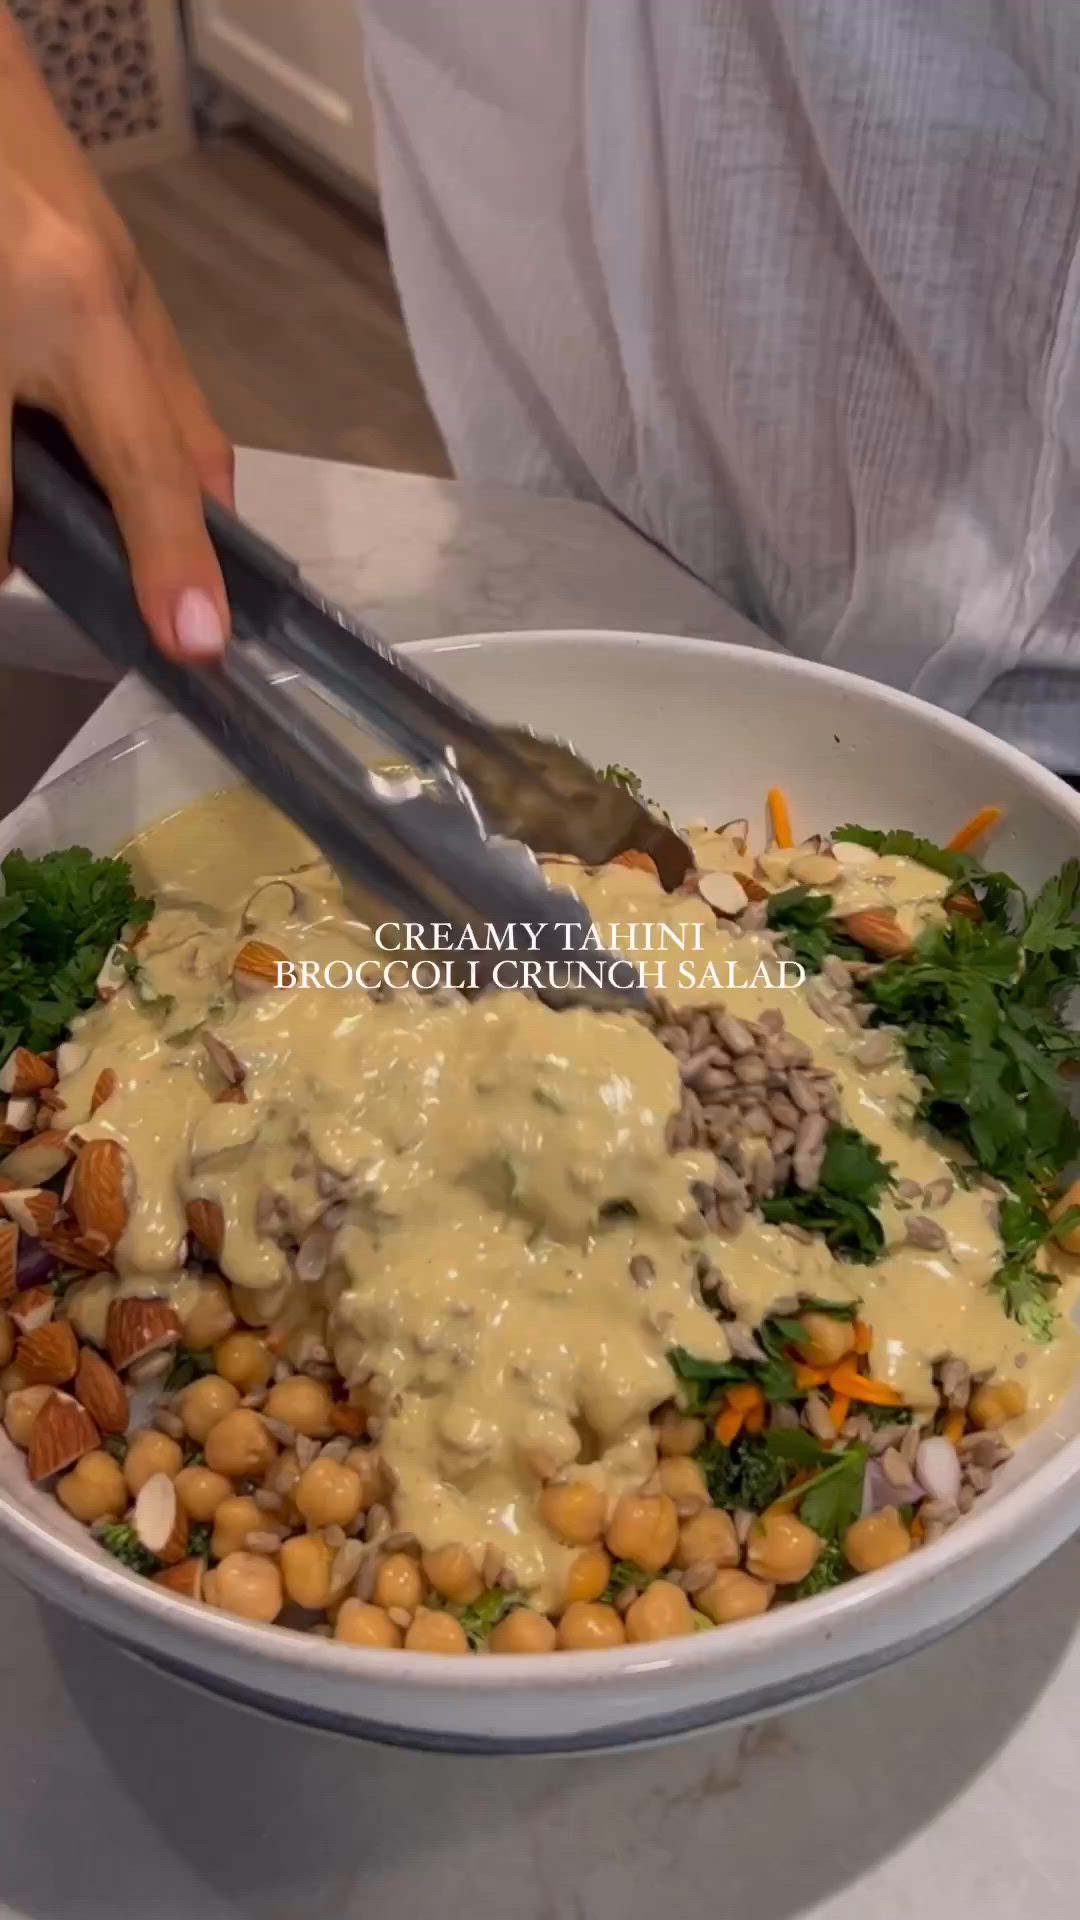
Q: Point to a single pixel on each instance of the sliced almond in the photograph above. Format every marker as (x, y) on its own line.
(21, 1112)
(345, 1418)
(86, 1251)
(225, 1060)
(62, 1432)
(230, 1096)
(207, 1223)
(724, 893)
(33, 1308)
(113, 974)
(964, 904)
(139, 1327)
(879, 933)
(100, 1189)
(49, 1356)
(104, 1087)
(256, 968)
(9, 1259)
(34, 1209)
(160, 1521)
(101, 1392)
(275, 900)
(26, 1072)
(848, 853)
(35, 1162)
(184, 1579)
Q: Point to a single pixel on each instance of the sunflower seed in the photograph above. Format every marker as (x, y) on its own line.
(924, 1234)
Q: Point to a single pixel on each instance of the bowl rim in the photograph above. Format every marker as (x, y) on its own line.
(982, 1537)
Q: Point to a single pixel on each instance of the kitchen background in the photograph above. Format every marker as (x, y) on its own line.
(236, 138)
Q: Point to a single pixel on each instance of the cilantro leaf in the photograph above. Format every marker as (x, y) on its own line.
(806, 921)
(853, 1180)
(1026, 1290)
(60, 915)
(833, 1500)
(481, 1618)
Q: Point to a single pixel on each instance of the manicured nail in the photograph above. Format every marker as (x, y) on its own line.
(197, 626)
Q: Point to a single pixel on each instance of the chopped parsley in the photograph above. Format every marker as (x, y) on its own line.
(121, 1540)
(806, 921)
(59, 918)
(829, 1570)
(832, 1499)
(481, 1618)
(188, 1364)
(853, 1180)
(747, 1474)
(625, 1574)
(1027, 1292)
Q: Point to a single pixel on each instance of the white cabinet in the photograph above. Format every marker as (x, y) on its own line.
(300, 63)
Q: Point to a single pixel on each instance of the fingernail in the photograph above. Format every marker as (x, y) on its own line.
(197, 626)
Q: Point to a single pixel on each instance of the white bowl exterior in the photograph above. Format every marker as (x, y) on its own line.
(708, 728)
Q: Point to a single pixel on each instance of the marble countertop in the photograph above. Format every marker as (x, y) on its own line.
(944, 1785)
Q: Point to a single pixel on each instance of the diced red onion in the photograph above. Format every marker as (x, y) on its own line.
(36, 1264)
(878, 1491)
(937, 1467)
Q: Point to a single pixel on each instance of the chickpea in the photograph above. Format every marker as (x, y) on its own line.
(304, 1405)
(588, 1575)
(210, 1316)
(644, 1528)
(95, 1489)
(523, 1631)
(574, 1513)
(7, 1338)
(678, 1433)
(876, 1541)
(452, 1572)
(244, 1360)
(306, 1561)
(732, 1595)
(150, 1452)
(360, 1624)
(782, 1549)
(328, 1494)
(201, 1492)
(586, 1626)
(994, 1404)
(826, 1339)
(245, 1583)
(205, 1402)
(234, 1520)
(659, 1613)
(21, 1410)
(240, 1446)
(434, 1632)
(682, 1478)
(399, 1583)
(708, 1536)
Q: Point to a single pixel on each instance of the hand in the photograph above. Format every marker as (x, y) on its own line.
(83, 334)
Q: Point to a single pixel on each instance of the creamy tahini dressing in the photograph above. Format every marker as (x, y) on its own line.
(479, 1159)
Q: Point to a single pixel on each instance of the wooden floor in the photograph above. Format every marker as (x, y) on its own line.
(285, 301)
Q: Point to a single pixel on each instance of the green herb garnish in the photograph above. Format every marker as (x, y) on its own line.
(829, 1570)
(59, 917)
(483, 1616)
(806, 921)
(747, 1474)
(188, 1364)
(625, 1574)
(121, 1540)
(117, 1444)
(1027, 1292)
(198, 1544)
(853, 1180)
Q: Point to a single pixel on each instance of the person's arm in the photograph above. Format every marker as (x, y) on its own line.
(83, 333)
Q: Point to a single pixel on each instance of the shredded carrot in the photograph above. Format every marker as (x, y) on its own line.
(780, 816)
(863, 1337)
(745, 1398)
(728, 1425)
(862, 1386)
(633, 858)
(755, 1419)
(810, 1376)
(953, 1429)
(976, 828)
(839, 1410)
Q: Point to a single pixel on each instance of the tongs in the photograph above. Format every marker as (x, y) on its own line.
(457, 842)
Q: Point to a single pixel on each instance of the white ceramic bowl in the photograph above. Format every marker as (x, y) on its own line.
(709, 728)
